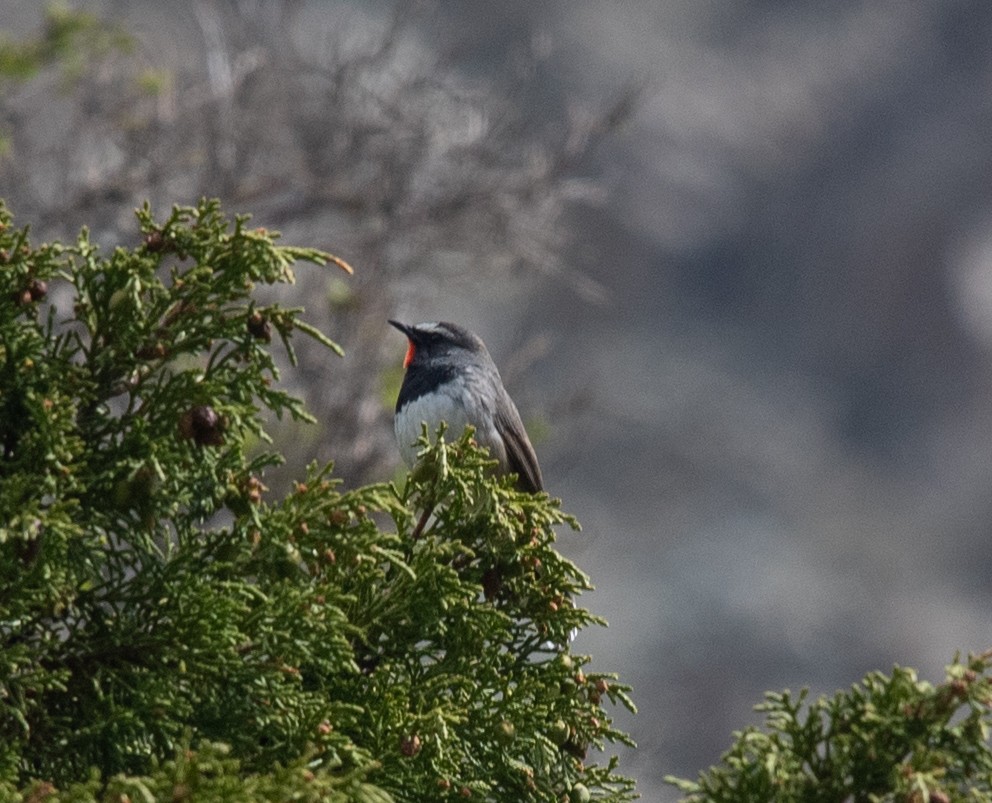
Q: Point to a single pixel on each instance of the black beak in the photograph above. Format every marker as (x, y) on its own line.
(407, 330)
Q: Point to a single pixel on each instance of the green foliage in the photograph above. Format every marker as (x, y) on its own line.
(892, 738)
(167, 633)
(68, 37)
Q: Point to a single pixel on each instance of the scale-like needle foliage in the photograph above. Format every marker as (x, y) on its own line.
(890, 739)
(169, 633)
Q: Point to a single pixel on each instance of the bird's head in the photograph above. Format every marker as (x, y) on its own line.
(438, 341)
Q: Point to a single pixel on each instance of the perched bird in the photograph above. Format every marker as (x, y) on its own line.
(450, 377)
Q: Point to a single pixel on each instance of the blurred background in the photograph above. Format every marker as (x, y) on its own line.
(733, 258)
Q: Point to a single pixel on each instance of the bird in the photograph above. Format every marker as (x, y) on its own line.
(449, 376)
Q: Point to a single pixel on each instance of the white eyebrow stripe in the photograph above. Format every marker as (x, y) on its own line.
(435, 327)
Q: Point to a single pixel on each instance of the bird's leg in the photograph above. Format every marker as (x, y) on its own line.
(419, 529)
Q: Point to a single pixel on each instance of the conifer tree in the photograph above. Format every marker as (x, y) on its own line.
(168, 632)
(890, 739)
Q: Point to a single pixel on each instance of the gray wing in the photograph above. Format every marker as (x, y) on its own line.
(520, 456)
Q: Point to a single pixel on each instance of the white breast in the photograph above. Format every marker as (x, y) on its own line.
(448, 405)
(431, 409)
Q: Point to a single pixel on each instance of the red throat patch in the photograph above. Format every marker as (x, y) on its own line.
(409, 355)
